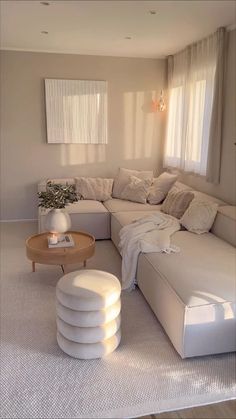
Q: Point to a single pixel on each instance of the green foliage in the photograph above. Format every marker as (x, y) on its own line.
(57, 196)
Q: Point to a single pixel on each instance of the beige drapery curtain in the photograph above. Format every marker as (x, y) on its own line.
(215, 138)
(194, 125)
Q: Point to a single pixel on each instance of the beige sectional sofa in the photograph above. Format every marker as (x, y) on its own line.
(193, 292)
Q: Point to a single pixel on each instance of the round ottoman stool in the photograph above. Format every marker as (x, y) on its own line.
(88, 313)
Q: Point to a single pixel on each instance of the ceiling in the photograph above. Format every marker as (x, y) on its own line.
(101, 27)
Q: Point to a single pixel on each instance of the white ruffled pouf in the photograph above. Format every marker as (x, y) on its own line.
(88, 313)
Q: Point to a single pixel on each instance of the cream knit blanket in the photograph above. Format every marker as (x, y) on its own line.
(148, 234)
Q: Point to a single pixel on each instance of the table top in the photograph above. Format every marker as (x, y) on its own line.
(39, 243)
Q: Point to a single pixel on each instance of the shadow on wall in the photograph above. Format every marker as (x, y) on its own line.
(137, 132)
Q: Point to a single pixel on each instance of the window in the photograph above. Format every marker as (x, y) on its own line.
(174, 127)
(191, 88)
(76, 111)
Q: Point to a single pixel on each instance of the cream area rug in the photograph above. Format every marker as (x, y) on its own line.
(144, 375)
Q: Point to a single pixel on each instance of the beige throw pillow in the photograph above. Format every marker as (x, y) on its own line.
(98, 189)
(176, 202)
(136, 190)
(161, 187)
(199, 216)
(123, 178)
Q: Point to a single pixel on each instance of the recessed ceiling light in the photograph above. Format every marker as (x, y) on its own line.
(45, 3)
(44, 32)
(152, 12)
(128, 37)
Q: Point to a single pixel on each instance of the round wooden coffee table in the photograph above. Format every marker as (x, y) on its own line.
(37, 250)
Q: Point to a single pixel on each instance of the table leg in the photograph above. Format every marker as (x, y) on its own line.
(33, 266)
(63, 268)
(85, 263)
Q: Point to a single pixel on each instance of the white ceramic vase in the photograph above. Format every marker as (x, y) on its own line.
(57, 221)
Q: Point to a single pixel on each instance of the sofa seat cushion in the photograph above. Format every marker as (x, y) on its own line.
(117, 205)
(127, 217)
(120, 219)
(86, 206)
(193, 293)
(202, 273)
(194, 267)
(81, 207)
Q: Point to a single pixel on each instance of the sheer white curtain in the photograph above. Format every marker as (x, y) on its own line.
(191, 84)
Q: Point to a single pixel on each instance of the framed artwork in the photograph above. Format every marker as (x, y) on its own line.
(76, 111)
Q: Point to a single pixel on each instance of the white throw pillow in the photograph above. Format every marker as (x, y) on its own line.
(123, 178)
(98, 189)
(161, 187)
(136, 190)
(176, 202)
(199, 216)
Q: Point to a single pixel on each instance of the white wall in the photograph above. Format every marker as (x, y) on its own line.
(135, 134)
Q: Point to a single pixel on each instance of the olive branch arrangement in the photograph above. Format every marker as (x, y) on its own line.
(57, 196)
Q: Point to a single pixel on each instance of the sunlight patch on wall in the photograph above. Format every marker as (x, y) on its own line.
(82, 154)
(139, 125)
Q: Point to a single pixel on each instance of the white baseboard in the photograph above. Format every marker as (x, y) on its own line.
(19, 220)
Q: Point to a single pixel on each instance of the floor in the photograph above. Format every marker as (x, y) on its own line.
(225, 410)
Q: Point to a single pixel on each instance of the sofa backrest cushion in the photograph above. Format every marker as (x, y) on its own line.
(62, 181)
(201, 196)
(204, 197)
(182, 187)
(224, 225)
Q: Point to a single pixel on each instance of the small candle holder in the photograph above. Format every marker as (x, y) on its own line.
(53, 239)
